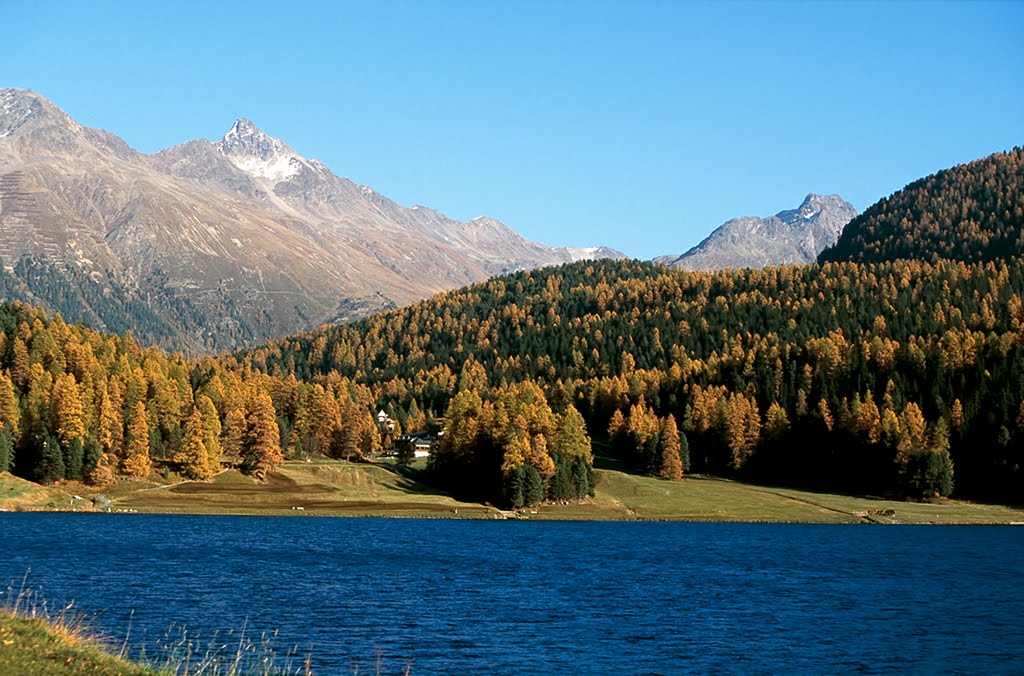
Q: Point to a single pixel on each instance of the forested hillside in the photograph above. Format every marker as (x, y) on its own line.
(845, 376)
(76, 404)
(84, 406)
(971, 212)
(102, 305)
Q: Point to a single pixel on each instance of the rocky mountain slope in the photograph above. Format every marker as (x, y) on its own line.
(793, 236)
(213, 245)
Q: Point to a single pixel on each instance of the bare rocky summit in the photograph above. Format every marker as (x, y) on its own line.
(793, 236)
(209, 246)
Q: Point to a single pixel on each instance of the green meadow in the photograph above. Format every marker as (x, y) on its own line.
(338, 488)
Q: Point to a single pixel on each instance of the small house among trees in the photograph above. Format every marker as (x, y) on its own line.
(384, 420)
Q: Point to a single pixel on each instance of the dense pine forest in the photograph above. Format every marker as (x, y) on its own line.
(899, 376)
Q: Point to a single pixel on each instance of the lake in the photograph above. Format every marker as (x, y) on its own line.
(473, 597)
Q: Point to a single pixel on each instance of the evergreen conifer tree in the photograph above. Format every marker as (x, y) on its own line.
(582, 478)
(91, 458)
(51, 461)
(6, 448)
(533, 485)
(684, 452)
(74, 459)
(514, 491)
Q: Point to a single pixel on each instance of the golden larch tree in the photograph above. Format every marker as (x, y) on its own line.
(20, 365)
(10, 415)
(956, 414)
(370, 442)
(913, 430)
(539, 457)
(671, 463)
(211, 431)
(776, 421)
(193, 455)
(571, 440)
(262, 448)
(825, 413)
(233, 434)
(111, 425)
(137, 463)
(617, 425)
(67, 410)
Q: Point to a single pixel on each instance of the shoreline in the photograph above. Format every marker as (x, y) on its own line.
(424, 517)
(350, 490)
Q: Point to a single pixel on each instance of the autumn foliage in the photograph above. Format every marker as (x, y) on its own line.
(895, 367)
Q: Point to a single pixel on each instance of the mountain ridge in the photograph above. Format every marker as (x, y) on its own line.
(790, 236)
(232, 241)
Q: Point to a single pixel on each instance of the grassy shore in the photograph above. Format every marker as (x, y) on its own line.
(17, 494)
(35, 641)
(43, 645)
(335, 488)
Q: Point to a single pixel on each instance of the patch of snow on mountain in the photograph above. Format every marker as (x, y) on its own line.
(257, 154)
(18, 107)
(276, 168)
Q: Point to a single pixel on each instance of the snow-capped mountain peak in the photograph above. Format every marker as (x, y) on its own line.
(256, 153)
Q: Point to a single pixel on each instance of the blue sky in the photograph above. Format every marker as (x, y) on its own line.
(639, 125)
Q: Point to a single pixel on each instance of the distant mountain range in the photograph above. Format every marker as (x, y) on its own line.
(214, 245)
(793, 236)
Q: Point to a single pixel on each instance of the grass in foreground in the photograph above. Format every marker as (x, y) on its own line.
(38, 646)
(35, 641)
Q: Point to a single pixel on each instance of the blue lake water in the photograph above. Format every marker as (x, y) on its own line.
(469, 597)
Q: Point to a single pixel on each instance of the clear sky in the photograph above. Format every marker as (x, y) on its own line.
(640, 125)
